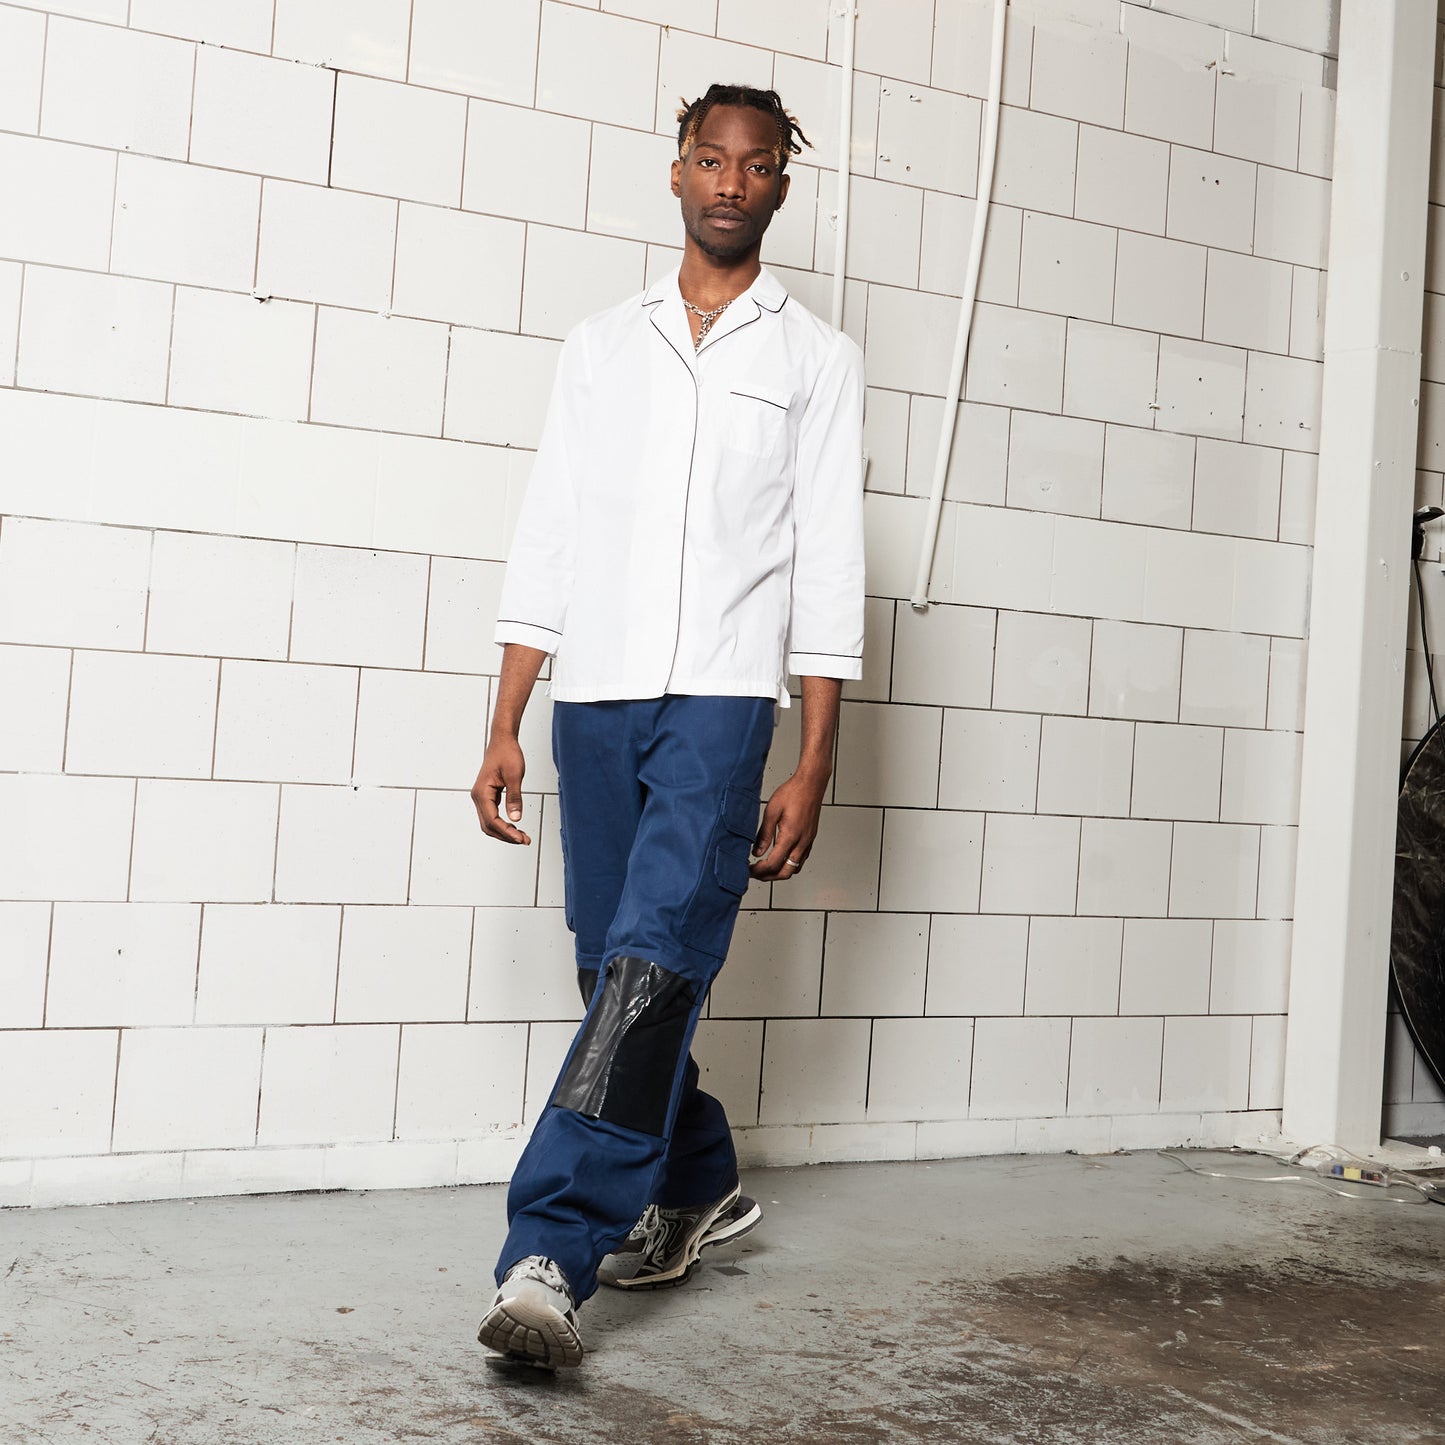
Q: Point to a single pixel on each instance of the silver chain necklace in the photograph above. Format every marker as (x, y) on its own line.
(707, 318)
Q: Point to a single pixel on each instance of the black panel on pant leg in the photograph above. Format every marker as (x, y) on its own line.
(626, 1059)
(586, 984)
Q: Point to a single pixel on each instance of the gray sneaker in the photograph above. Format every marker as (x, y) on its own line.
(532, 1319)
(664, 1245)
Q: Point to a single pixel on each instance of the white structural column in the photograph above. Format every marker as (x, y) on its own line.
(1360, 593)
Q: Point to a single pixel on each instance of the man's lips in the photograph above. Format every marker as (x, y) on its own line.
(726, 218)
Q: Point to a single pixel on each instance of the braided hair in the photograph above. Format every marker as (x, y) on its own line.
(691, 116)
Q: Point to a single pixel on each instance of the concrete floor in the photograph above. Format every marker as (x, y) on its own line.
(1049, 1300)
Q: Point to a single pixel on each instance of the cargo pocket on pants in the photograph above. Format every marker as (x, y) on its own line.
(708, 925)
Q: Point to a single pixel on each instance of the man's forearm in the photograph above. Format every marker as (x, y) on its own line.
(821, 697)
(520, 666)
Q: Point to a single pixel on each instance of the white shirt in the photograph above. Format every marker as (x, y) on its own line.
(694, 521)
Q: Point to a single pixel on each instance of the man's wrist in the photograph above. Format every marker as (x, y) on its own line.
(814, 770)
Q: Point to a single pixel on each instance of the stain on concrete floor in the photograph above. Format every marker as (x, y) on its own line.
(1042, 1301)
(1302, 1349)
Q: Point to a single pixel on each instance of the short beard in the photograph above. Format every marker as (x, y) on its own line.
(731, 250)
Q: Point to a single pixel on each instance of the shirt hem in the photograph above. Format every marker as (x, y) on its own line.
(686, 687)
(529, 634)
(825, 664)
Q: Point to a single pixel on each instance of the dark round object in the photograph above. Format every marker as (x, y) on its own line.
(1417, 927)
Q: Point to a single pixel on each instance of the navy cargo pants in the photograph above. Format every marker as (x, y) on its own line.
(659, 807)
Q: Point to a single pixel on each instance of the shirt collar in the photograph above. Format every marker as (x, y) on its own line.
(767, 291)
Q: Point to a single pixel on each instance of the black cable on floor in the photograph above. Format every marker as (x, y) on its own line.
(1425, 640)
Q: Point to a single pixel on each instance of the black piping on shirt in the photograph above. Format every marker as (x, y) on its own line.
(540, 626)
(766, 401)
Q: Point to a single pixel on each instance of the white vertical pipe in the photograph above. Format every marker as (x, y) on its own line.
(845, 160)
(919, 599)
(1334, 1055)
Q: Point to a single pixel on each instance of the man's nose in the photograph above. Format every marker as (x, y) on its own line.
(730, 183)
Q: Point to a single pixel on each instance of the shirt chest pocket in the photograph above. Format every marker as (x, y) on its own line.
(755, 420)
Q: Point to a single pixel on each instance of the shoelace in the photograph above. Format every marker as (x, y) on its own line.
(545, 1272)
(650, 1227)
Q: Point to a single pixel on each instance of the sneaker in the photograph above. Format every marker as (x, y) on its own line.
(533, 1319)
(664, 1245)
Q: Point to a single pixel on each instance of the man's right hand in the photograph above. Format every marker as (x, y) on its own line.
(502, 770)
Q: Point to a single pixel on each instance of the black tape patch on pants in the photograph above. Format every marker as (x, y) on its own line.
(626, 1059)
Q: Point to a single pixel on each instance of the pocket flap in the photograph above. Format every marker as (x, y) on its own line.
(740, 812)
(730, 865)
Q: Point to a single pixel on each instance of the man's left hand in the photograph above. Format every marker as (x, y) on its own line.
(790, 823)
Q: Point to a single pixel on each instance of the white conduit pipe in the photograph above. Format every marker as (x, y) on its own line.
(919, 600)
(845, 156)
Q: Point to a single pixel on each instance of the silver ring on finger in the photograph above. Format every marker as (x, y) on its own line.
(793, 863)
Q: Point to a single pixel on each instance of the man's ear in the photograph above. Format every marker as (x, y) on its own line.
(783, 191)
(677, 177)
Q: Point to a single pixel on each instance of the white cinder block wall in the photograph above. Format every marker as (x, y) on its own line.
(281, 294)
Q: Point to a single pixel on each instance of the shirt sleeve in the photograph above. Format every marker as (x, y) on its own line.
(541, 567)
(825, 635)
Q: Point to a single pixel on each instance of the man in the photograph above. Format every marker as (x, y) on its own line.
(692, 532)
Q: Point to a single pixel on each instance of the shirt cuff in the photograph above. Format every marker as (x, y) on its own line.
(825, 664)
(529, 634)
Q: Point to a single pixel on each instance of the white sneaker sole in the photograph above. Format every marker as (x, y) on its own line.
(531, 1334)
(735, 1229)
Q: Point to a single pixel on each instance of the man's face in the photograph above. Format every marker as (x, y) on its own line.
(730, 182)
